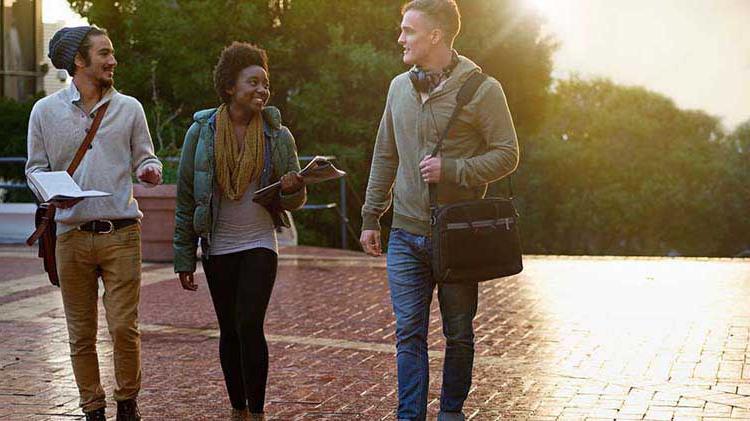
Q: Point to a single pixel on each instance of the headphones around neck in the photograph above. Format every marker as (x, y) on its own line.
(423, 81)
(420, 80)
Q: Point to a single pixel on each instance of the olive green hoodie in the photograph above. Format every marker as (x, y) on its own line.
(480, 148)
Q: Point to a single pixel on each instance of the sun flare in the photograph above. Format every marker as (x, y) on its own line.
(548, 8)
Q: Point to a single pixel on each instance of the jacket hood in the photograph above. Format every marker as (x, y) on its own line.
(271, 115)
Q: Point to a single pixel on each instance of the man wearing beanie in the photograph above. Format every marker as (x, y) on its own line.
(96, 236)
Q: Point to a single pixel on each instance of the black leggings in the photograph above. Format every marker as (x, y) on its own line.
(241, 285)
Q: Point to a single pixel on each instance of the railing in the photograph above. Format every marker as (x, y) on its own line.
(339, 207)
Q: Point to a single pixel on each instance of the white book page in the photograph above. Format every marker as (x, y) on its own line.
(59, 185)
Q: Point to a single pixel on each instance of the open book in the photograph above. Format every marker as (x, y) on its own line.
(59, 185)
(317, 170)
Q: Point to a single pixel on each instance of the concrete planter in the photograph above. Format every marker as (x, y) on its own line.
(157, 227)
(16, 222)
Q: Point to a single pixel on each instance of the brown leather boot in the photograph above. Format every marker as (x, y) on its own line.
(257, 416)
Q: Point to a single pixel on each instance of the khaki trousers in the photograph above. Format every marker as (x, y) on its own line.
(118, 256)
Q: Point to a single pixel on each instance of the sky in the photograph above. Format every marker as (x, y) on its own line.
(696, 52)
(59, 10)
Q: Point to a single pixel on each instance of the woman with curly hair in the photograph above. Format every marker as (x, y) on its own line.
(230, 152)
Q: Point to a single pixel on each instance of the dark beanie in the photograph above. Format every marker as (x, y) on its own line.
(65, 44)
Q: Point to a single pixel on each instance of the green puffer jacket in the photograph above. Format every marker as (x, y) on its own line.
(196, 209)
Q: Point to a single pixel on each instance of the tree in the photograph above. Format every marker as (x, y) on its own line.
(741, 138)
(621, 170)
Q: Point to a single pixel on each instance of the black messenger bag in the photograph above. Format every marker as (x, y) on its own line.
(477, 240)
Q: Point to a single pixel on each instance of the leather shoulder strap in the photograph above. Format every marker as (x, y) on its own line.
(87, 140)
(469, 88)
(463, 97)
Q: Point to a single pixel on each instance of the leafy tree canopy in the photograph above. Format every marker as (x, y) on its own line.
(621, 170)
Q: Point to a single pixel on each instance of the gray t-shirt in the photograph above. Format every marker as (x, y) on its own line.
(242, 225)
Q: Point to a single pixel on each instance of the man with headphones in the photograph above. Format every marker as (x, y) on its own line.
(480, 147)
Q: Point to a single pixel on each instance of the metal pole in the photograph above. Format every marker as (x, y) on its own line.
(344, 219)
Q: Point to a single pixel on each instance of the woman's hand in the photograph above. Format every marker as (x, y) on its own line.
(188, 281)
(291, 182)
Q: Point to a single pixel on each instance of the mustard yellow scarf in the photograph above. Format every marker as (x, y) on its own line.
(237, 164)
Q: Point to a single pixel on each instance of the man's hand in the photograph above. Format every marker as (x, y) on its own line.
(291, 182)
(370, 241)
(65, 204)
(430, 169)
(188, 281)
(150, 175)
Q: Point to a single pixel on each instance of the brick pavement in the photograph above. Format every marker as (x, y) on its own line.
(569, 339)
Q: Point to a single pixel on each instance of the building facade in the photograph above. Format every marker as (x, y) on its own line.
(22, 67)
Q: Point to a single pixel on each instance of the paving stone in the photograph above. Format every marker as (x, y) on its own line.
(568, 339)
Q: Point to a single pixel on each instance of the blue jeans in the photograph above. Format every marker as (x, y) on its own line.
(411, 284)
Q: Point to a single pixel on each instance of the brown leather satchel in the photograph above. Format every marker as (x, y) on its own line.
(44, 219)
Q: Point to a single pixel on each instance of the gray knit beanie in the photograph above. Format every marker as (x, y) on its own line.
(65, 44)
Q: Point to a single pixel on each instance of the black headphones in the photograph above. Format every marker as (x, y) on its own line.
(423, 80)
(419, 79)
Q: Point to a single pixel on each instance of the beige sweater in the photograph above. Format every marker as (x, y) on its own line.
(121, 147)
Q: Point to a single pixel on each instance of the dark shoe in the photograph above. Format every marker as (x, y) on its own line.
(451, 416)
(128, 411)
(96, 415)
